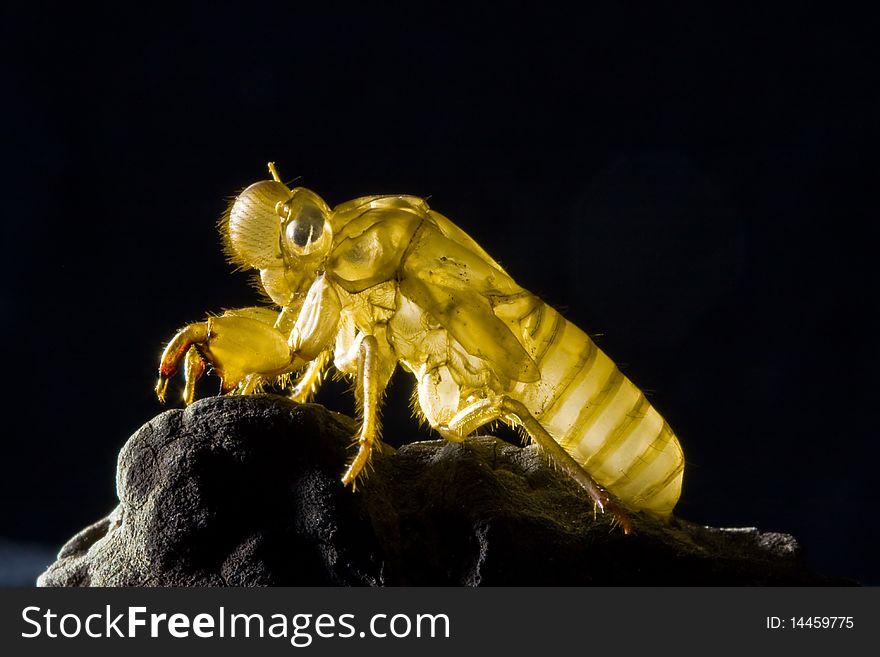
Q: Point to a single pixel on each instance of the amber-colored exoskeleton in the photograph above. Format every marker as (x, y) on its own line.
(384, 280)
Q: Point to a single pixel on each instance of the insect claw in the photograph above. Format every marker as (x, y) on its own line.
(194, 368)
(351, 473)
(162, 387)
(618, 518)
(624, 522)
(621, 518)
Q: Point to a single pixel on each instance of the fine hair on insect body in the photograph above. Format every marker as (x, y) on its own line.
(385, 281)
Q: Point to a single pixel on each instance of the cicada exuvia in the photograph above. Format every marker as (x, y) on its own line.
(384, 280)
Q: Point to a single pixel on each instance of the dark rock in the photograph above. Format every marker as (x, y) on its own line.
(245, 491)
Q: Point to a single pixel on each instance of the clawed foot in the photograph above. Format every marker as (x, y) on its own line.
(241, 350)
(618, 516)
(183, 348)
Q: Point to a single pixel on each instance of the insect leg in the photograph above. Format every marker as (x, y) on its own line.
(249, 385)
(367, 393)
(175, 351)
(513, 411)
(311, 379)
(194, 367)
(601, 497)
(241, 346)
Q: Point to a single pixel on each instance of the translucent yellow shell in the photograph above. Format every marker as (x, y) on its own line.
(384, 280)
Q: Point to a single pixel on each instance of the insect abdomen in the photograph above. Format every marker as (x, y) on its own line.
(598, 415)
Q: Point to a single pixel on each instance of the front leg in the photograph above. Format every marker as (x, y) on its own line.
(176, 350)
(241, 346)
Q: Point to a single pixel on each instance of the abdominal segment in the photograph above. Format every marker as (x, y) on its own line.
(598, 415)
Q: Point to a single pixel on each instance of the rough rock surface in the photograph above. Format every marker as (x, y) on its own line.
(245, 491)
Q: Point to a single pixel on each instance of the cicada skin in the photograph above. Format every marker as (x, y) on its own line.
(383, 281)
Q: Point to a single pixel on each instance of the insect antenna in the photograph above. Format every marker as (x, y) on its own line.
(273, 171)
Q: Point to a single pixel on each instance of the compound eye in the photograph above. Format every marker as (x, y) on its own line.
(306, 230)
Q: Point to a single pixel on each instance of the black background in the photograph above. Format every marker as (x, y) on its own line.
(692, 185)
